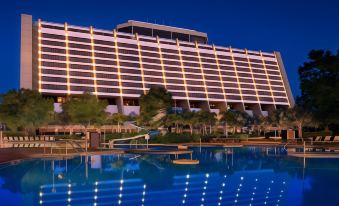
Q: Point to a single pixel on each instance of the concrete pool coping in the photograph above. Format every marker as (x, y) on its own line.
(15, 154)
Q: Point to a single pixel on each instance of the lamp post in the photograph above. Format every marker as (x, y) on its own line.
(1, 139)
(147, 138)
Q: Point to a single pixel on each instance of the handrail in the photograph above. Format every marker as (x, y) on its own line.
(72, 143)
(285, 147)
(111, 142)
(66, 142)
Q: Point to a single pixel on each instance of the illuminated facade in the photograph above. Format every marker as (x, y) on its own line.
(121, 64)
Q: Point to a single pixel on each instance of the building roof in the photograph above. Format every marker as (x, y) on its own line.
(161, 27)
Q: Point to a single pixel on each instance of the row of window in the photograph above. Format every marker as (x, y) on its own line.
(154, 49)
(150, 74)
(178, 94)
(154, 61)
(208, 47)
(170, 87)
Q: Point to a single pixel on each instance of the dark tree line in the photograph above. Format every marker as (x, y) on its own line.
(319, 84)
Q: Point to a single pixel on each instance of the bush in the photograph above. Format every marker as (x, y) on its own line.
(238, 136)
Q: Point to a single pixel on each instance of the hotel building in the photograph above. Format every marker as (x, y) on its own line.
(120, 64)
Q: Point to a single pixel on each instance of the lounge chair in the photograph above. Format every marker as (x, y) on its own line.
(336, 139)
(6, 139)
(10, 139)
(31, 145)
(327, 139)
(51, 138)
(318, 139)
(16, 139)
(31, 138)
(26, 145)
(36, 138)
(26, 139)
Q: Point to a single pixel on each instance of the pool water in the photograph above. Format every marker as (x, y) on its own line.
(225, 176)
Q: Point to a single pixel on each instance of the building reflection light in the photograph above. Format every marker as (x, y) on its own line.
(121, 189)
(186, 189)
(143, 195)
(221, 192)
(204, 189)
(238, 190)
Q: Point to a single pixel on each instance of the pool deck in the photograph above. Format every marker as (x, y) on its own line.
(314, 155)
(12, 154)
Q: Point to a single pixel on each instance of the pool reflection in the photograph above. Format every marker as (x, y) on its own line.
(225, 176)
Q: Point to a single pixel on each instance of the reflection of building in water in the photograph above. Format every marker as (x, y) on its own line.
(255, 187)
(96, 161)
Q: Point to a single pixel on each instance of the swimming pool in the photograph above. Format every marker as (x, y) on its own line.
(225, 176)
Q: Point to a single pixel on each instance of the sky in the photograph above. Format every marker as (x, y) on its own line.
(292, 27)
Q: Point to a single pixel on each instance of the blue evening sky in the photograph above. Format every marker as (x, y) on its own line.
(289, 26)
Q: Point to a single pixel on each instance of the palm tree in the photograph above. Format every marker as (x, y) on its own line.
(229, 119)
(191, 119)
(278, 119)
(206, 118)
(118, 119)
(255, 122)
(175, 119)
(264, 123)
(211, 118)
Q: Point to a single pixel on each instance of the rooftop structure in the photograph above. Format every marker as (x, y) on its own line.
(168, 32)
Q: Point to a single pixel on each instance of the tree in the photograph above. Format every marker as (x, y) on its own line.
(298, 117)
(157, 100)
(227, 118)
(84, 109)
(117, 118)
(25, 109)
(233, 118)
(319, 83)
(174, 119)
(206, 118)
(256, 123)
(264, 123)
(191, 119)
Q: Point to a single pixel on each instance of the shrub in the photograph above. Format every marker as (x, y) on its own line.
(238, 136)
